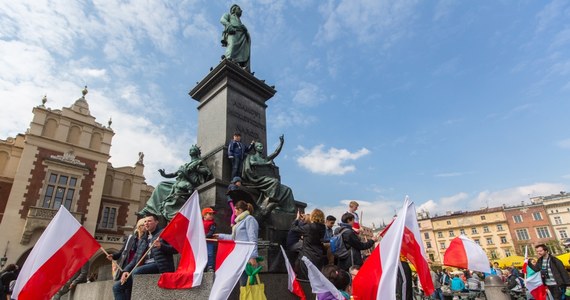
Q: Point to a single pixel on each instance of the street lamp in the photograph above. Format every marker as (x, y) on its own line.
(3, 261)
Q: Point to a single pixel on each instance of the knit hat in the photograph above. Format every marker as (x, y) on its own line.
(208, 210)
(236, 179)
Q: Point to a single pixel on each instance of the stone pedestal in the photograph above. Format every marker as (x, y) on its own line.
(230, 100)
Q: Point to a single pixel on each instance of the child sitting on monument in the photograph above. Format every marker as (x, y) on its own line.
(210, 229)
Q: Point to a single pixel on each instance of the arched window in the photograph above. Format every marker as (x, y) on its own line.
(108, 187)
(74, 135)
(127, 188)
(50, 128)
(95, 141)
(4, 157)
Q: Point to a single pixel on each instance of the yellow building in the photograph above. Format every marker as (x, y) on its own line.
(488, 227)
(428, 238)
(63, 159)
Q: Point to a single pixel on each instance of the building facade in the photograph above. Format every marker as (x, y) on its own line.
(487, 227)
(63, 160)
(557, 207)
(529, 225)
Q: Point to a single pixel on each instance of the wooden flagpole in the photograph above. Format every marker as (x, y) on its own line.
(113, 261)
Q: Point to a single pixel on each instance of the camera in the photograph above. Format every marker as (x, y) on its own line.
(544, 273)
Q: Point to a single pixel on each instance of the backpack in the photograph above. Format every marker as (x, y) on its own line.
(338, 248)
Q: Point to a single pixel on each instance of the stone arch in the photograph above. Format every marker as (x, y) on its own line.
(108, 186)
(50, 128)
(74, 135)
(127, 186)
(4, 158)
(23, 257)
(96, 140)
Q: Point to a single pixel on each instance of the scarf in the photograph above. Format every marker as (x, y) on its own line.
(238, 219)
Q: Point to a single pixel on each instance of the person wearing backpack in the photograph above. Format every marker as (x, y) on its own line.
(352, 243)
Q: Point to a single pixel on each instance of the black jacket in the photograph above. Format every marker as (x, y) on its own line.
(352, 241)
(162, 256)
(313, 249)
(122, 257)
(560, 274)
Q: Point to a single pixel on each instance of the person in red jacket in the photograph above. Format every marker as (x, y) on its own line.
(210, 229)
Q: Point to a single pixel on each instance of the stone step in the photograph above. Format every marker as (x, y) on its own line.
(145, 287)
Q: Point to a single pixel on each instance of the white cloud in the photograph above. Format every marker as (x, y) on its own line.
(511, 196)
(291, 117)
(443, 9)
(309, 94)
(332, 162)
(369, 21)
(451, 174)
(565, 144)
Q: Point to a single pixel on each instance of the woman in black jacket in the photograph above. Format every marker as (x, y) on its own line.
(127, 253)
(312, 234)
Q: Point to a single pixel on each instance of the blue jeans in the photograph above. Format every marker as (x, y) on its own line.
(437, 294)
(211, 257)
(123, 291)
(237, 162)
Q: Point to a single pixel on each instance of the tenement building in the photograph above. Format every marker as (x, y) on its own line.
(488, 227)
(557, 207)
(529, 225)
(63, 160)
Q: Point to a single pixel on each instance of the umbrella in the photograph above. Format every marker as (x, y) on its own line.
(511, 261)
(564, 258)
(464, 253)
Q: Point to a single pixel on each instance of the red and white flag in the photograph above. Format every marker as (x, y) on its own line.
(533, 281)
(231, 259)
(319, 283)
(186, 234)
(464, 253)
(292, 283)
(403, 237)
(63, 248)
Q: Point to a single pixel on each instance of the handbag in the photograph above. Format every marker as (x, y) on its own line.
(252, 291)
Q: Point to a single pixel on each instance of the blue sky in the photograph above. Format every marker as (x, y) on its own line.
(457, 104)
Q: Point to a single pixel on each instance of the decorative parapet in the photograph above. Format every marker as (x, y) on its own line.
(39, 218)
(109, 238)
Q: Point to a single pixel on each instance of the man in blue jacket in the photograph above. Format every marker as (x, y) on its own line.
(158, 260)
(236, 153)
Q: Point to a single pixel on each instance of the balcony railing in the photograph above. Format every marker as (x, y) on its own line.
(39, 218)
(48, 213)
(109, 238)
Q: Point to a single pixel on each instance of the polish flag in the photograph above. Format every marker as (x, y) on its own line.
(533, 280)
(319, 283)
(402, 237)
(292, 284)
(186, 234)
(62, 249)
(464, 253)
(231, 260)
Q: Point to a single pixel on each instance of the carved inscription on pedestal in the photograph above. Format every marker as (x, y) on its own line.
(246, 117)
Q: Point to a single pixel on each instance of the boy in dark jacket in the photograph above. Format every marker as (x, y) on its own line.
(352, 242)
(210, 229)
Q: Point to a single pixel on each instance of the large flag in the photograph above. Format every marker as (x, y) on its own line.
(533, 281)
(403, 237)
(319, 283)
(231, 260)
(186, 234)
(464, 253)
(292, 283)
(63, 248)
